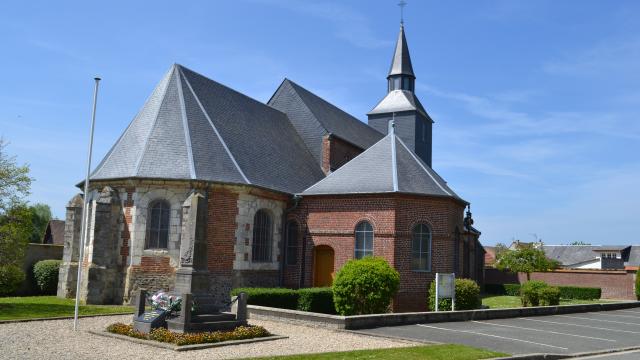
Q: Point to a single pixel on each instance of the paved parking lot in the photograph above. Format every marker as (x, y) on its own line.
(560, 334)
(627, 355)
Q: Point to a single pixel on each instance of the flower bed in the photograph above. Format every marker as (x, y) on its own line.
(166, 336)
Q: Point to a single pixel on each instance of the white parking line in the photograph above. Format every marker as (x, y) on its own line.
(584, 326)
(630, 311)
(618, 315)
(599, 320)
(493, 336)
(545, 331)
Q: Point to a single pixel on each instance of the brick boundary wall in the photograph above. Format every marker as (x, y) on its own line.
(615, 284)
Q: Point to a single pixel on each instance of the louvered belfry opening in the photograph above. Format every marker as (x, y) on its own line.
(262, 237)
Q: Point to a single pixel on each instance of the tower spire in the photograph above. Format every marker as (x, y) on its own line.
(401, 76)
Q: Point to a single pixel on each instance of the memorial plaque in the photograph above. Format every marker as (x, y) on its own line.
(150, 320)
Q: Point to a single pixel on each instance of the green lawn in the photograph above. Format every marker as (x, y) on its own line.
(429, 352)
(504, 301)
(30, 307)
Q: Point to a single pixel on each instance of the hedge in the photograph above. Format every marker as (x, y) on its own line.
(467, 296)
(318, 300)
(45, 273)
(579, 293)
(566, 292)
(271, 297)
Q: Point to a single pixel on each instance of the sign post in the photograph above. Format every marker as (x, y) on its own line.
(446, 288)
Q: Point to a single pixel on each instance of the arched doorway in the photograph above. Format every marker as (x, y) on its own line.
(323, 259)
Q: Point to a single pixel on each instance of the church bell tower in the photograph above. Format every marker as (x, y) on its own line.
(412, 123)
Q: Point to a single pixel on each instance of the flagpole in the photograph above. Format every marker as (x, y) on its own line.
(85, 210)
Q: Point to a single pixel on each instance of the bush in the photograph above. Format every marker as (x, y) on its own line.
(45, 273)
(549, 296)
(467, 296)
(365, 286)
(272, 297)
(503, 289)
(579, 293)
(318, 300)
(11, 277)
(638, 284)
(539, 293)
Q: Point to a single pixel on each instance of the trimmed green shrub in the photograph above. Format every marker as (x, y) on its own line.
(318, 300)
(365, 286)
(579, 293)
(530, 292)
(512, 289)
(45, 273)
(467, 296)
(638, 284)
(272, 297)
(549, 296)
(11, 277)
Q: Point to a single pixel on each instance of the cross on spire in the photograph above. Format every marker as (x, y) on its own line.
(402, 4)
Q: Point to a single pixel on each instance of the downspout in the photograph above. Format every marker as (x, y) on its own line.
(283, 237)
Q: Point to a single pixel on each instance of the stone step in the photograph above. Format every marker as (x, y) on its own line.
(212, 317)
(205, 326)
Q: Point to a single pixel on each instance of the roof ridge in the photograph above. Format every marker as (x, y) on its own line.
(187, 130)
(423, 168)
(343, 166)
(155, 120)
(215, 130)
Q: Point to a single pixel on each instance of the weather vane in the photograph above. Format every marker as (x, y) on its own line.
(402, 4)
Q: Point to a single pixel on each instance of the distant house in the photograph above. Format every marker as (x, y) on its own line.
(609, 257)
(54, 234)
(489, 256)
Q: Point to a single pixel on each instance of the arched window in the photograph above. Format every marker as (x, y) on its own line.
(292, 243)
(421, 248)
(262, 237)
(158, 225)
(364, 240)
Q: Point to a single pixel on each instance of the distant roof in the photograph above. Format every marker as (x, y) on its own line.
(634, 256)
(386, 167)
(397, 101)
(192, 127)
(298, 102)
(54, 234)
(401, 62)
(574, 254)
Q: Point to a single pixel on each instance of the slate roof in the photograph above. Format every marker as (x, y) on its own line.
(192, 127)
(314, 117)
(397, 101)
(573, 254)
(54, 233)
(401, 62)
(386, 167)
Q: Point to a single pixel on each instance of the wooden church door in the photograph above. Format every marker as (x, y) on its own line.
(323, 266)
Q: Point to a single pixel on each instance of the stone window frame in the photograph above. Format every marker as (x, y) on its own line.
(420, 251)
(268, 247)
(289, 249)
(364, 250)
(167, 230)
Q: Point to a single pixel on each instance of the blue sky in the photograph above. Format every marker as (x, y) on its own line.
(536, 103)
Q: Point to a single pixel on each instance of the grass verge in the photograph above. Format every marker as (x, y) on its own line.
(32, 307)
(505, 301)
(428, 352)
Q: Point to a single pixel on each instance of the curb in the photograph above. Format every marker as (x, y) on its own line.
(62, 318)
(185, 347)
(567, 356)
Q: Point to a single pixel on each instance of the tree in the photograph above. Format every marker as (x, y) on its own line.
(526, 259)
(14, 180)
(40, 216)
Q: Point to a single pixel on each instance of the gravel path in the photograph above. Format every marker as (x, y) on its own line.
(55, 339)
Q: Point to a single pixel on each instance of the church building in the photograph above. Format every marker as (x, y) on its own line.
(291, 189)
